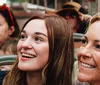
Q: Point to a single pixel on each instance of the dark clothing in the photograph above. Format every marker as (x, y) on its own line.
(83, 27)
(2, 75)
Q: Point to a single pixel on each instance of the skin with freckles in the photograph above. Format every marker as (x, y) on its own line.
(89, 55)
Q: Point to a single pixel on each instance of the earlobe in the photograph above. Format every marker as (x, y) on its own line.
(11, 30)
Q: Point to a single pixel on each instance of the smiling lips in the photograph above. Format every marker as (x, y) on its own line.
(87, 65)
(28, 55)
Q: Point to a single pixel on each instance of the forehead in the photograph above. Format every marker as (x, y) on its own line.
(94, 30)
(36, 25)
(95, 27)
(1, 17)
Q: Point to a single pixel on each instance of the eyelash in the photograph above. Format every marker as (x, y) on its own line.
(84, 42)
(38, 39)
(97, 47)
(22, 37)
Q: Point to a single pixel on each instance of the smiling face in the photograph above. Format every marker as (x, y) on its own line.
(89, 55)
(33, 47)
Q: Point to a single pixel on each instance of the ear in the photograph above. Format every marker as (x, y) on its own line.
(11, 30)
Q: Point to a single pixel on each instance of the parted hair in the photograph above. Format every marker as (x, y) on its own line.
(58, 70)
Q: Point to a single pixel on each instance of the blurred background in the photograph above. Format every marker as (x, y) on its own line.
(23, 9)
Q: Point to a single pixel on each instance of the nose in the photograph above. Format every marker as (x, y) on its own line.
(85, 51)
(27, 43)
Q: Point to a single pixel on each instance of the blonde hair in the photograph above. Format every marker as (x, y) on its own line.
(95, 18)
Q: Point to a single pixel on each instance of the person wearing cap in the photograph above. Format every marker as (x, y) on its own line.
(83, 12)
(75, 5)
(8, 24)
(74, 13)
(77, 16)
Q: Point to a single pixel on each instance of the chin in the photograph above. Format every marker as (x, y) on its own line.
(83, 78)
(26, 68)
(22, 67)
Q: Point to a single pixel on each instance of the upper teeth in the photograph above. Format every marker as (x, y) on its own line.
(87, 65)
(27, 55)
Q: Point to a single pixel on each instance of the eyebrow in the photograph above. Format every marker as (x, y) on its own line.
(96, 40)
(37, 33)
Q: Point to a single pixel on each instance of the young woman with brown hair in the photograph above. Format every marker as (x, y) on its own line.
(45, 53)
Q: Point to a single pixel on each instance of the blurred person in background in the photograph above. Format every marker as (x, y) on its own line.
(74, 13)
(9, 29)
(79, 19)
(8, 24)
(7, 49)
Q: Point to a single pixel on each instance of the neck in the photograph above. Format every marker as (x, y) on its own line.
(34, 78)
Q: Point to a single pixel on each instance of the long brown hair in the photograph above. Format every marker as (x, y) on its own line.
(58, 70)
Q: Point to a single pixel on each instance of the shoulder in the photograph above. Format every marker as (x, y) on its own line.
(77, 82)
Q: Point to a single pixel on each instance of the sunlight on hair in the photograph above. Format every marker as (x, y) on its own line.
(95, 15)
(94, 18)
(2, 2)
